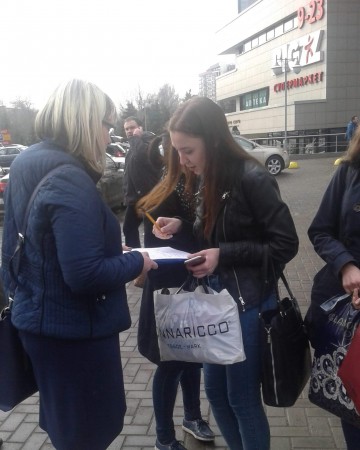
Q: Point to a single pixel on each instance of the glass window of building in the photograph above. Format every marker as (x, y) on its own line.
(228, 105)
(254, 42)
(279, 30)
(289, 25)
(247, 46)
(262, 39)
(254, 99)
(270, 34)
(243, 4)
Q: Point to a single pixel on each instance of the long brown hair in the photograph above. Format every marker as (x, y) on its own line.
(201, 117)
(172, 175)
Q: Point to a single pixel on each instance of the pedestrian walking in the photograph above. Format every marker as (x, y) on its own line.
(351, 127)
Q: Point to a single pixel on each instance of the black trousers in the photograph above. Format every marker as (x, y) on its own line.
(131, 227)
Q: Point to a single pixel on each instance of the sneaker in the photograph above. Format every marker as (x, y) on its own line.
(199, 428)
(175, 445)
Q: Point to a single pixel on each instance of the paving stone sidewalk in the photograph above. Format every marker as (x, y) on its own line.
(302, 427)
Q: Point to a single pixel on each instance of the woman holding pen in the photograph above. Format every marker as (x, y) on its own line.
(240, 220)
(174, 197)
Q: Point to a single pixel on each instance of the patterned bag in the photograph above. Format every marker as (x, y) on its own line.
(333, 338)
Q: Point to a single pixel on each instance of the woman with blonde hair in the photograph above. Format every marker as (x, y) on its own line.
(69, 298)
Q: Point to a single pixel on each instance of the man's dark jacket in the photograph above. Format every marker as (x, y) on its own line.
(140, 175)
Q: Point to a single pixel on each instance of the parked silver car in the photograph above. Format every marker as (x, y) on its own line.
(111, 184)
(273, 158)
(117, 152)
(8, 153)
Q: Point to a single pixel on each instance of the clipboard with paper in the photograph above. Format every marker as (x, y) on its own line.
(164, 255)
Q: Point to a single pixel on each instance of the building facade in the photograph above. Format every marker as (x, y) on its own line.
(317, 43)
(207, 82)
(207, 79)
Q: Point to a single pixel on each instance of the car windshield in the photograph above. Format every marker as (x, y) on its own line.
(247, 145)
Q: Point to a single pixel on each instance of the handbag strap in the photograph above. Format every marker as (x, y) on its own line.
(284, 280)
(266, 262)
(14, 263)
(286, 284)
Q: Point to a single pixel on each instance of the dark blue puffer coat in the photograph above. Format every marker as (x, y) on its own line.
(72, 276)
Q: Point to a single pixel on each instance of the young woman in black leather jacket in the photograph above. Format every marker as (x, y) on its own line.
(240, 220)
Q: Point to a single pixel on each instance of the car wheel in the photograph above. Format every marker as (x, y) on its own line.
(274, 165)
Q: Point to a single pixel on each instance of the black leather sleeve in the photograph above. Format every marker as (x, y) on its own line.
(257, 216)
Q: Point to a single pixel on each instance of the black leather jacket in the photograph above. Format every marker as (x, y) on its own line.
(253, 224)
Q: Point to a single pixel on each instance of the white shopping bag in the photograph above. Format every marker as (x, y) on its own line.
(198, 327)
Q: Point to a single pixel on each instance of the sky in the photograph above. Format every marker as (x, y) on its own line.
(123, 46)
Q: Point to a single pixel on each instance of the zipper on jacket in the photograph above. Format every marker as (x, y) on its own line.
(241, 300)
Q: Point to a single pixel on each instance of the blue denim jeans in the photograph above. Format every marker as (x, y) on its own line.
(234, 391)
(167, 377)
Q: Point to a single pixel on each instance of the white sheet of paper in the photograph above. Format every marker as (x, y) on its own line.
(159, 253)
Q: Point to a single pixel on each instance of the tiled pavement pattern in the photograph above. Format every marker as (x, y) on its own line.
(301, 427)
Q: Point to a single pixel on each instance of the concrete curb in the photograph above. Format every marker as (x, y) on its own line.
(296, 157)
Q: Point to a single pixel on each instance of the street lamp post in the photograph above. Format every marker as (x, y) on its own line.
(280, 65)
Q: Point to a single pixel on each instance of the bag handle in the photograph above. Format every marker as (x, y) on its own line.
(286, 284)
(266, 261)
(191, 281)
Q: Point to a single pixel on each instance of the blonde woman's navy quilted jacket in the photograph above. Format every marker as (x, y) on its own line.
(71, 282)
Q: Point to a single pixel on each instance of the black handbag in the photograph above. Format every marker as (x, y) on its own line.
(285, 351)
(17, 381)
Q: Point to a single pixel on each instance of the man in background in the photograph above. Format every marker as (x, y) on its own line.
(351, 127)
(140, 177)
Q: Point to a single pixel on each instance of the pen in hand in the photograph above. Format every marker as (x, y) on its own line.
(160, 234)
(152, 220)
